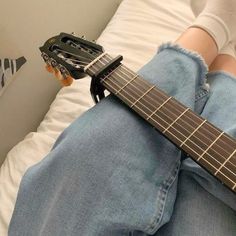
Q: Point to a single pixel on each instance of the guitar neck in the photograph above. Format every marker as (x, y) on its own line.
(203, 142)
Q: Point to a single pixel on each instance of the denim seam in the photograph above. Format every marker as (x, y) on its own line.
(192, 54)
(161, 200)
(202, 92)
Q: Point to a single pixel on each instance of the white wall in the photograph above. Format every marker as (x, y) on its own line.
(24, 26)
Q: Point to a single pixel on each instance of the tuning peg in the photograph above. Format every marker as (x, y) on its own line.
(49, 68)
(62, 69)
(45, 57)
(73, 33)
(67, 81)
(83, 37)
(94, 41)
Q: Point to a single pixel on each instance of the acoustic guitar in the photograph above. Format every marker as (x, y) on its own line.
(70, 58)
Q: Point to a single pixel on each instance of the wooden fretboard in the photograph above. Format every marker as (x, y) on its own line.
(206, 144)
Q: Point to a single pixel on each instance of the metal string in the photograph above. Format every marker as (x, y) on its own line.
(177, 117)
(217, 170)
(209, 124)
(184, 136)
(170, 111)
(177, 130)
(135, 81)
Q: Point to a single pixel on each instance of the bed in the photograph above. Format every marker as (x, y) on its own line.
(135, 31)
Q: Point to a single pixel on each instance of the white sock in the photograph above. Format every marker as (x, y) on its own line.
(197, 7)
(218, 19)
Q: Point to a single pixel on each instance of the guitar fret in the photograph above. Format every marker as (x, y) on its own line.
(193, 132)
(143, 95)
(176, 120)
(220, 172)
(209, 147)
(159, 108)
(94, 61)
(126, 84)
(225, 162)
(140, 108)
(234, 187)
(229, 173)
(211, 167)
(229, 146)
(216, 154)
(143, 113)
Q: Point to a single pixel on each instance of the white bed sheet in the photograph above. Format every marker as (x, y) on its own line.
(135, 31)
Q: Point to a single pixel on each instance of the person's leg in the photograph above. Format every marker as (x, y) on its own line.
(203, 206)
(226, 59)
(197, 212)
(224, 62)
(198, 40)
(110, 173)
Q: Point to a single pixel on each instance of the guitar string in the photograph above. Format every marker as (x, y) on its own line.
(195, 144)
(202, 134)
(218, 171)
(135, 81)
(200, 148)
(222, 161)
(177, 123)
(209, 124)
(177, 138)
(184, 121)
(207, 153)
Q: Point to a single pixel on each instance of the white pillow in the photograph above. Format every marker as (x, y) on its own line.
(135, 32)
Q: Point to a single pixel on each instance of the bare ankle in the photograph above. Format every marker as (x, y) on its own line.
(225, 63)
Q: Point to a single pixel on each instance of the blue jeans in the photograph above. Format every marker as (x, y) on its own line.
(111, 173)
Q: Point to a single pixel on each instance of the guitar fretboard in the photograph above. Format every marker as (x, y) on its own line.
(207, 145)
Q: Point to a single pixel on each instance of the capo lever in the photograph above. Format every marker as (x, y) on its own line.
(96, 87)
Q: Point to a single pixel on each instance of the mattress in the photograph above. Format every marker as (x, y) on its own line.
(135, 31)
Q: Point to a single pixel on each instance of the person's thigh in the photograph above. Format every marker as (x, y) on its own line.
(110, 172)
(219, 110)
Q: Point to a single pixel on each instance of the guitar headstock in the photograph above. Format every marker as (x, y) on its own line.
(67, 56)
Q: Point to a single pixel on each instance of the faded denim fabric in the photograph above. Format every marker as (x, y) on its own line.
(111, 173)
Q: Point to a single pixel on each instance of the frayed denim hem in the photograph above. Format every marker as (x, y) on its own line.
(203, 67)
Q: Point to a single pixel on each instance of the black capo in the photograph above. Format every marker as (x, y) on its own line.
(96, 87)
